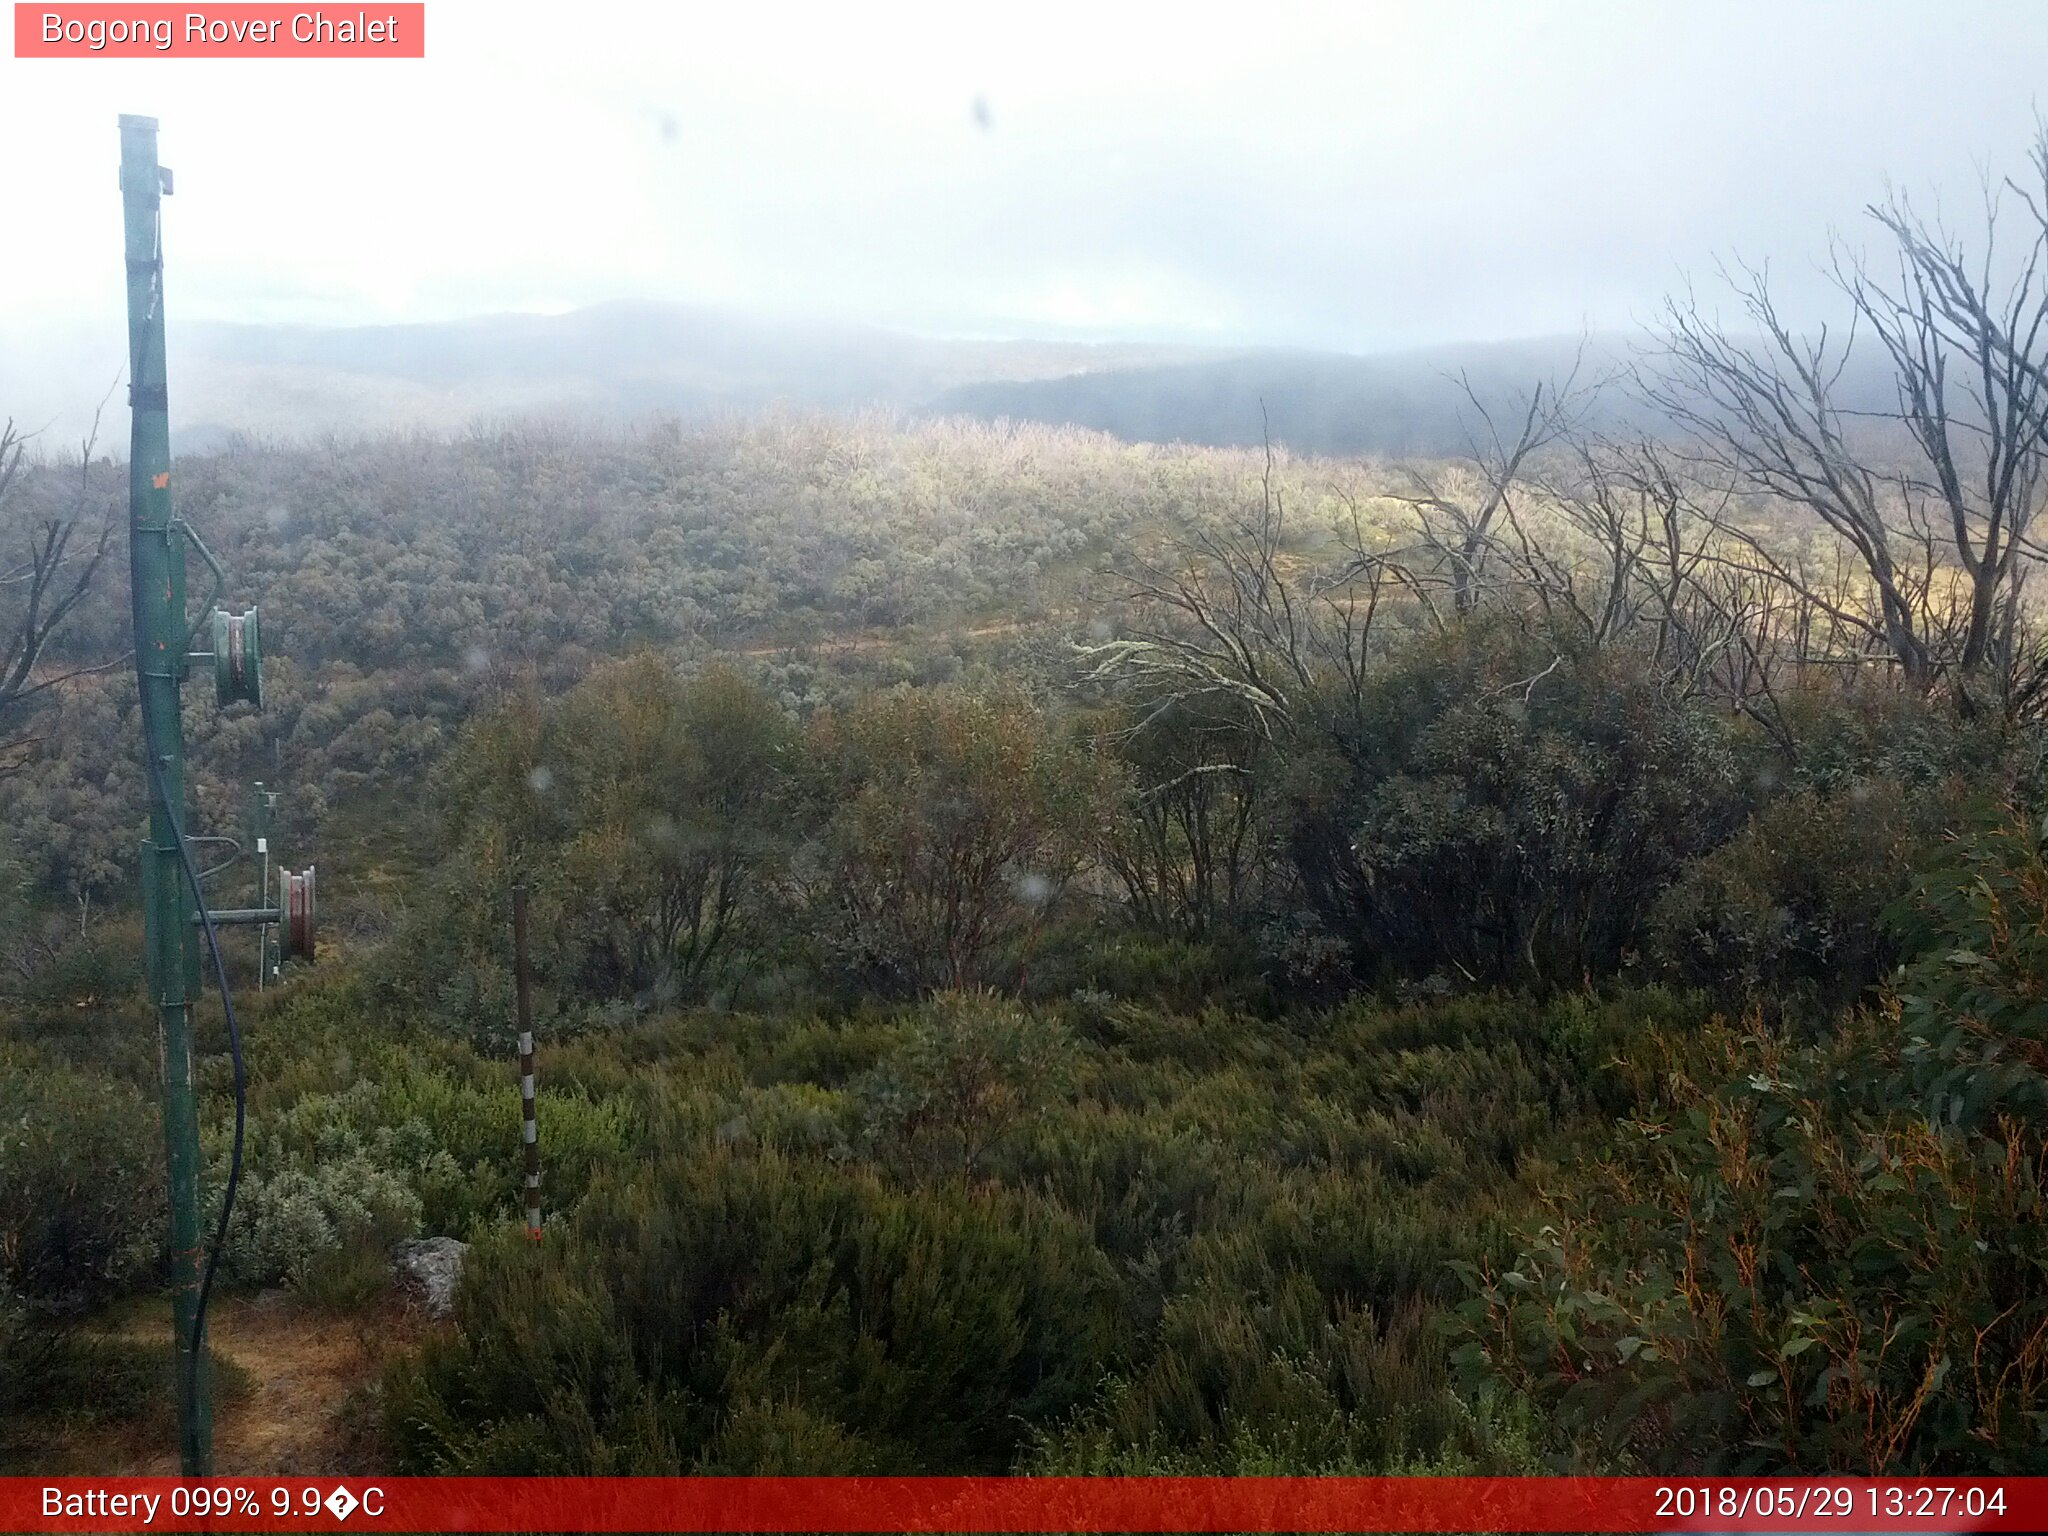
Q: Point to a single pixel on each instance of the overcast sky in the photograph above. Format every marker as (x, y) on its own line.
(1339, 174)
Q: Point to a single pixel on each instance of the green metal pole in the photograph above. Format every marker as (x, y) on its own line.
(156, 563)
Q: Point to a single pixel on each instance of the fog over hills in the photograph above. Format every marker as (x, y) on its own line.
(612, 361)
(620, 363)
(1413, 403)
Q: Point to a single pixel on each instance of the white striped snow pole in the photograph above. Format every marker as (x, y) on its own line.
(529, 1128)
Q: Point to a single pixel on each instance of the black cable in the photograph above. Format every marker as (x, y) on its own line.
(227, 1002)
(152, 759)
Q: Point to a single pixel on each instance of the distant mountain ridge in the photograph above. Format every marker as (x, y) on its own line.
(624, 362)
(639, 356)
(1335, 403)
(611, 363)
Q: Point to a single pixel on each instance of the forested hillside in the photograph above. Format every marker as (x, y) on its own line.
(618, 364)
(1053, 954)
(603, 366)
(1059, 954)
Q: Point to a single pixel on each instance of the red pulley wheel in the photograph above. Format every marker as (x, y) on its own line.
(299, 914)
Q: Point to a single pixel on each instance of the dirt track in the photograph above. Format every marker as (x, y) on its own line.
(307, 1407)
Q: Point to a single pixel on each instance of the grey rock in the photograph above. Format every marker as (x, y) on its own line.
(433, 1267)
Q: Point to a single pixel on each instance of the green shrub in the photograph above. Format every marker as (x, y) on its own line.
(973, 1072)
(115, 1040)
(289, 1224)
(952, 826)
(763, 1434)
(88, 1379)
(81, 973)
(646, 813)
(831, 1054)
(1850, 733)
(679, 1316)
(1270, 1381)
(444, 1139)
(1794, 903)
(28, 1344)
(1493, 810)
(1176, 975)
(60, 1380)
(81, 1185)
(1820, 1257)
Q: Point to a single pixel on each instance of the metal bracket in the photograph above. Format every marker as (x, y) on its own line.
(165, 183)
(294, 915)
(234, 847)
(220, 579)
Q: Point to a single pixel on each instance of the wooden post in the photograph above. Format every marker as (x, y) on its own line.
(529, 1127)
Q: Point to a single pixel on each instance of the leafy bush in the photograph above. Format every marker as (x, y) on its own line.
(1187, 843)
(1850, 734)
(972, 1072)
(80, 972)
(288, 1221)
(731, 1305)
(1820, 1257)
(1507, 813)
(953, 825)
(1268, 1384)
(961, 1237)
(362, 1131)
(646, 813)
(1179, 975)
(81, 1185)
(28, 1344)
(1794, 903)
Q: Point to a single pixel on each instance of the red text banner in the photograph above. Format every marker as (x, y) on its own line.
(225, 31)
(939, 1504)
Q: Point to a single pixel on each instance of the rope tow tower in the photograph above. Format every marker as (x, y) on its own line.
(178, 927)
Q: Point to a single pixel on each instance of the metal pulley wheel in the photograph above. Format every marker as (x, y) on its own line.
(237, 658)
(295, 898)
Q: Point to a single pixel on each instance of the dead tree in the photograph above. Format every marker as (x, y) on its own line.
(1460, 524)
(1942, 537)
(1766, 419)
(1238, 630)
(1965, 342)
(1612, 552)
(46, 574)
